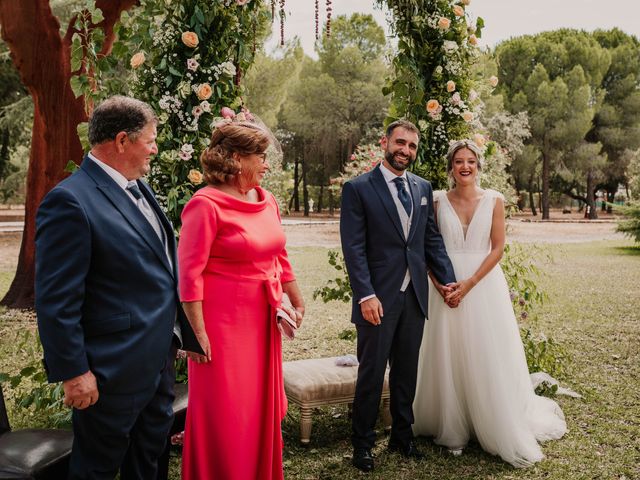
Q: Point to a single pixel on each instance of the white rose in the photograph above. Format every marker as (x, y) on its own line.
(450, 46)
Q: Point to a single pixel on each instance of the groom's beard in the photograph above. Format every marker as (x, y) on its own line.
(391, 160)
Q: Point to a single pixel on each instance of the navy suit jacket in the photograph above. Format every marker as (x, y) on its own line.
(106, 294)
(376, 252)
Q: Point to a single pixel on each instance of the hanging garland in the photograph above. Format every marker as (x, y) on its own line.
(431, 85)
(317, 19)
(188, 67)
(282, 14)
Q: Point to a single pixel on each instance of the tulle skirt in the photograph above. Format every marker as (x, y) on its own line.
(473, 379)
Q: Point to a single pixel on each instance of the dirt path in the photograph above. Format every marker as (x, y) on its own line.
(326, 234)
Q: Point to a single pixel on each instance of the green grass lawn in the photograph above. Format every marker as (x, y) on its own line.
(593, 312)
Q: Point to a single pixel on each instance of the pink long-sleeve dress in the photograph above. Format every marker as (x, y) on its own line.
(232, 257)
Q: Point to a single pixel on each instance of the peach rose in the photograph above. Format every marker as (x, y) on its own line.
(493, 81)
(444, 23)
(195, 176)
(465, 2)
(137, 60)
(204, 91)
(190, 39)
(473, 40)
(458, 11)
(451, 86)
(467, 116)
(479, 140)
(433, 105)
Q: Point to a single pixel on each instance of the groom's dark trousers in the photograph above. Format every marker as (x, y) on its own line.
(377, 254)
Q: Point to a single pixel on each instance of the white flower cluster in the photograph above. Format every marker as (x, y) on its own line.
(226, 68)
(164, 38)
(439, 138)
(170, 103)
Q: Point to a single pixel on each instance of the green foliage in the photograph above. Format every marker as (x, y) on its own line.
(268, 81)
(339, 288)
(348, 334)
(181, 367)
(336, 100)
(435, 46)
(519, 264)
(631, 226)
(544, 355)
(189, 82)
(33, 391)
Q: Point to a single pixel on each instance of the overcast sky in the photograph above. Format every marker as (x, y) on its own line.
(503, 18)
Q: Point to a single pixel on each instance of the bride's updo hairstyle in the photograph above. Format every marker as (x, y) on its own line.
(459, 145)
(228, 138)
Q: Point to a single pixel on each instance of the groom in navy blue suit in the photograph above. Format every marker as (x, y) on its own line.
(390, 241)
(107, 301)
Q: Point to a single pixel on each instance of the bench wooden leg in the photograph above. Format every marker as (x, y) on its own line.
(305, 424)
(386, 414)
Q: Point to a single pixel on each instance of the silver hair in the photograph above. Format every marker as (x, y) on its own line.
(459, 145)
(119, 114)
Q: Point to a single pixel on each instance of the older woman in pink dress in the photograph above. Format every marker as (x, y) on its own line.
(233, 271)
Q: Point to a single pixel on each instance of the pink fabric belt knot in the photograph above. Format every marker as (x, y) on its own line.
(273, 287)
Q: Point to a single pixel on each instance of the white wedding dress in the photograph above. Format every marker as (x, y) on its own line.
(473, 380)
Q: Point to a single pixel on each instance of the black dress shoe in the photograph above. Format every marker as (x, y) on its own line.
(362, 459)
(409, 450)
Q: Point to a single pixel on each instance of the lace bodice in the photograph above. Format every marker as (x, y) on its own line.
(476, 237)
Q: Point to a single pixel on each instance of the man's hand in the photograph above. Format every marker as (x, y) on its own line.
(372, 311)
(80, 392)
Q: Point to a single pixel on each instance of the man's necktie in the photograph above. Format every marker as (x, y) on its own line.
(135, 190)
(403, 195)
(146, 210)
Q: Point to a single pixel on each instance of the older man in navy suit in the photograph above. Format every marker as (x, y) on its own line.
(390, 241)
(106, 298)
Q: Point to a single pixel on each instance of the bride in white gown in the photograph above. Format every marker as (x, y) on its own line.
(473, 380)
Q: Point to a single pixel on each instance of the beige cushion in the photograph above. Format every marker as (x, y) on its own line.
(320, 379)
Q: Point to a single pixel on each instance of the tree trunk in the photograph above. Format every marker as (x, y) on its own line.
(611, 196)
(320, 197)
(545, 185)
(296, 182)
(532, 203)
(305, 190)
(591, 197)
(43, 59)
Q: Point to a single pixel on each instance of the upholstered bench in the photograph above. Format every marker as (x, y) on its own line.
(319, 382)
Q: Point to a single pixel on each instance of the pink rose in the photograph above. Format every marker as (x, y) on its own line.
(137, 60)
(226, 112)
(444, 23)
(433, 105)
(204, 91)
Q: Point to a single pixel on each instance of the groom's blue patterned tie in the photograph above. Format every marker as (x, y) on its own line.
(403, 195)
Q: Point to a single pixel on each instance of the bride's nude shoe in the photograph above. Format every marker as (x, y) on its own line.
(456, 452)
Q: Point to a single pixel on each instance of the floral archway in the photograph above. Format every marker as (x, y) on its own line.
(192, 55)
